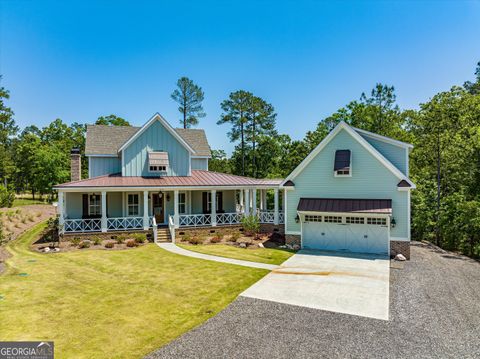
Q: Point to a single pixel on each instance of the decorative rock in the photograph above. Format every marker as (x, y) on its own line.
(400, 257)
(261, 245)
(46, 249)
(243, 245)
(56, 249)
(295, 247)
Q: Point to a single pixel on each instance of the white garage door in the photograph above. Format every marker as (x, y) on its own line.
(353, 234)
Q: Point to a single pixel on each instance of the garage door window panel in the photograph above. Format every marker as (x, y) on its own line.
(333, 219)
(377, 221)
(355, 220)
(311, 218)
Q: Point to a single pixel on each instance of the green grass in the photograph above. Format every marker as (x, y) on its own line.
(262, 255)
(122, 304)
(18, 202)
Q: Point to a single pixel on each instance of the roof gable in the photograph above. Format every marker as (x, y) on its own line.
(166, 125)
(345, 127)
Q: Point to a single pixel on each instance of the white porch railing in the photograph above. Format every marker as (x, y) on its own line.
(269, 217)
(124, 223)
(153, 224)
(281, 217)
(194, 220)
(82, 225)
(229, 218)
(171, 228)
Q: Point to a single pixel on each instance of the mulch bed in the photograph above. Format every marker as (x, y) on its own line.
(267, 240)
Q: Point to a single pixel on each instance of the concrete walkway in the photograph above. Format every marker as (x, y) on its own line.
(171, 247)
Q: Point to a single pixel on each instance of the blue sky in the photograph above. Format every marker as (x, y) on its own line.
(77, 60)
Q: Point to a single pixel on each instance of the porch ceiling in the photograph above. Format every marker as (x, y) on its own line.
(197, 179)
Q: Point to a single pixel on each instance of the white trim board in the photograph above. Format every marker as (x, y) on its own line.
(383, 138)
(168, 127)
(344, 126)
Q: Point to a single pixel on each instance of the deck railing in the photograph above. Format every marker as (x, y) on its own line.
(124, 223)
(82, 225)
(194, 220)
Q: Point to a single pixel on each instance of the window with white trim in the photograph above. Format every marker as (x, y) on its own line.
(94, 205)
(157, 169)
(311, 218)
(182, 201)
(209, 201)
(332, 219)
(377, 221)
(355, 220)
(133, 204)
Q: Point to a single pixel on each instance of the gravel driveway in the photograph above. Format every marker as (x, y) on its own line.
(434, 312)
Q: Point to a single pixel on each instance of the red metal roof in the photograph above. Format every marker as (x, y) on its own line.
(345, 205)
(197, 179)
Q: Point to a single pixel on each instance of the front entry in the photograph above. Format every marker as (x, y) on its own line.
(158, 201)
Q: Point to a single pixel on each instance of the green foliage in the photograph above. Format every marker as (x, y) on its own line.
(189, 97)
(139, 237)
(234, 237)
(84, 244)
(131, 243)
(7, 196)
(251, 225)
(112, 120)
(195, 240)
(96, 241)
(109, 245)
(219, 162)
(75, 241)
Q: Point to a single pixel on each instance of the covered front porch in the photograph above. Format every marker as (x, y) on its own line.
(113, 209)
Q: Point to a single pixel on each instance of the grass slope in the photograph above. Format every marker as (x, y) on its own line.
(122, 304)
(262, 255)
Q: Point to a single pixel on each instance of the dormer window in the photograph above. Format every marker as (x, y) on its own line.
(158, 162)
(342, 166)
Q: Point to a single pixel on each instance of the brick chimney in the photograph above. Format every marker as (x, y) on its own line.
(75, 165)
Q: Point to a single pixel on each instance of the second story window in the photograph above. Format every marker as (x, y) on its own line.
(343, 166)
(158, 162)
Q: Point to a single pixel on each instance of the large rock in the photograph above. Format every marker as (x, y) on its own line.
(243, 245)
(400, 257)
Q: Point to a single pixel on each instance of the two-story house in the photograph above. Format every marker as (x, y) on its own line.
(351, 193)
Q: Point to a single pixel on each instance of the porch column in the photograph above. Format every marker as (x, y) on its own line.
(247, 202)
(262, 208)
(60, 208)
(104, 211)
(254, 201)
(175, 208)
(146, 221)
(265, 207)
(275, 213)
(242, 206)
(213, 208)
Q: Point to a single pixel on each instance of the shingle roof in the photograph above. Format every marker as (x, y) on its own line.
(345, 205)
(106, 140)
(197, 179)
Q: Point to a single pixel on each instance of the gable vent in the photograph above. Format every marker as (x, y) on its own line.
(342, 160)
(158, 159)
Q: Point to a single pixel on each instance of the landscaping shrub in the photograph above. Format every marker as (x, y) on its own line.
(139, 237)
(215, 239)
(97, 240)
(24, 220)
(109, 245)
(2, 234)
(218, 235)
(186, 238)
(75, 241)
(250, 224)
(7, 195)
(234, 237)
(131, 243)
(196, 240)
(84, 244)
(121, 238)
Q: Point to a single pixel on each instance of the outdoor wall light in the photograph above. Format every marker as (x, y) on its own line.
(393, 223)
(297, 219)
(160, 195)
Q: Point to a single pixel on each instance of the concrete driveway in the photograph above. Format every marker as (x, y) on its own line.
(337, 282)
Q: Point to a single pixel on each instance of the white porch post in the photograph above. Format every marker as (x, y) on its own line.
(242, 206)
(175, 206)
(213, 209)
(254, 201)
(247, 202)
(275, 213)
(104, 211)
(60, 208)
(265, 207)
(262, 208)
(146, 221)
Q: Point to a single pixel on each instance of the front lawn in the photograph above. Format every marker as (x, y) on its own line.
(99, 304)
(262, 255)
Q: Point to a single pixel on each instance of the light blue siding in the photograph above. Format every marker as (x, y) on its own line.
(73, 205)
(200, 164)
(155, 138)
(370, 179)
(100, 166)
(395, 154)
(228, 201)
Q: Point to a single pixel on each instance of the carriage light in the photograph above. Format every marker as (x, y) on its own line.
(393, 223)
(297, 219)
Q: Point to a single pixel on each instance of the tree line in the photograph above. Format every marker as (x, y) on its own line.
(444, 164)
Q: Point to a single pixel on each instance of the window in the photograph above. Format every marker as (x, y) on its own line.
(157, 168)
(343, 173)
(208, 202)
(94, 205)
(332, 219)
(182, 203)
(132, 204)
(342, 165)
(377, 221)
(310, 218)
(355, 220)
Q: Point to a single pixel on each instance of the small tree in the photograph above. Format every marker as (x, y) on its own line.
(189, 96)
(52, 233)
(251, 225)
(7, 196)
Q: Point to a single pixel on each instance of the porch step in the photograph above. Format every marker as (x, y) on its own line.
(163, 235)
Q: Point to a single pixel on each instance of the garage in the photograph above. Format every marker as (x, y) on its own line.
(353, 225)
